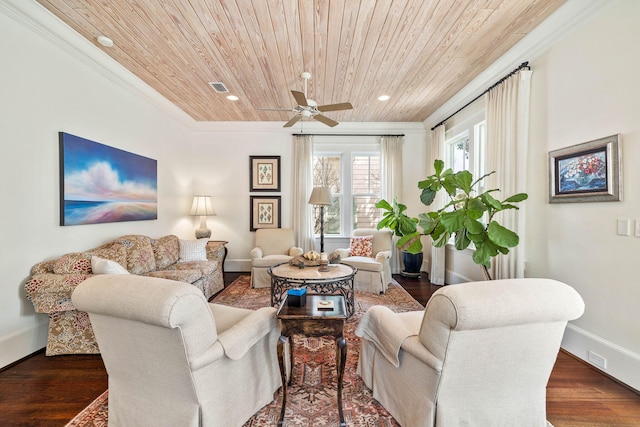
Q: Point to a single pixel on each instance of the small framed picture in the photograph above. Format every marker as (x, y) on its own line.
(587, 172)
(265, 173)
(265, 212)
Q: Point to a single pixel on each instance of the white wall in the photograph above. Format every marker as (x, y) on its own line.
(585, 88)
(46, 89)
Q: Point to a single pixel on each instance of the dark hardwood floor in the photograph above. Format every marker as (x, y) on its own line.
(49, 391)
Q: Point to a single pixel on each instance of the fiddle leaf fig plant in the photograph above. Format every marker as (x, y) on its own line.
(468, 216)
(394, 218)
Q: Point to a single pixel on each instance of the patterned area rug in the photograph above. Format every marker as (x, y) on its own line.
(312, 396)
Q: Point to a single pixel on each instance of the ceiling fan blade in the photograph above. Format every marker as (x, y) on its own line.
(300, 98)
(335, 107)
(293, 121)
(326, 120)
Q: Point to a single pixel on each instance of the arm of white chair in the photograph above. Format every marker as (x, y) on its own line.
(382, 256)
(239, 338)
(413, 346)
(256, 253)
(343, 252)
(295, 251)
(386, 330)
(212, 354)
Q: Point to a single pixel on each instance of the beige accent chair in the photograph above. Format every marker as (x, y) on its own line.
(273, 246)
(175, 360)
(374, 273)
(481, 353)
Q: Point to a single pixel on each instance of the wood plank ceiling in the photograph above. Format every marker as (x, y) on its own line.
(419, 52)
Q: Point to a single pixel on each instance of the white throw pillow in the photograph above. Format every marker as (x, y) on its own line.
(106, 266)
(193, 250)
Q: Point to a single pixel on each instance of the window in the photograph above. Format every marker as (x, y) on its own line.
(465, 144)
(457, 154)
(365, 190)
(327, 172)
(352, 171)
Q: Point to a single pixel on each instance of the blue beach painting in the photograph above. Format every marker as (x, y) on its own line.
(101, 184)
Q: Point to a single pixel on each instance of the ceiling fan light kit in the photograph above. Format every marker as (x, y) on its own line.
(309, 108)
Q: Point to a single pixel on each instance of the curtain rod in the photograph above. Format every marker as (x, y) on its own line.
(520, 67)
(345, 134)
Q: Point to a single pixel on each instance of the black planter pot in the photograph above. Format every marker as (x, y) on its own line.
(412, 264)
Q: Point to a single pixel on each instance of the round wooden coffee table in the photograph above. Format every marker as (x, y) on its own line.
(337, 281)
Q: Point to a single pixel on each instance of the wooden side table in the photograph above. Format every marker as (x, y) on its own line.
(312, 322)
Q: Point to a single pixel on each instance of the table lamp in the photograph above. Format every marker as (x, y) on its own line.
(321, 196)
(202, 206)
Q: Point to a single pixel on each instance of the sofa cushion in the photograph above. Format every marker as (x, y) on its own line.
(361, 246)
(270, 260)
(74, 262)
(204, 267)
(106, 266)
(364, 263)
(166, 250)
(80, 262)
(140, 257)
(186, 276)
(193, 250)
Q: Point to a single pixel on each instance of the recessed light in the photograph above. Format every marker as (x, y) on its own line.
(383, 98)
(105, 41)
(232, 98)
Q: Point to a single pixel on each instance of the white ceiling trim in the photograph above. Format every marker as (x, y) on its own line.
(311, 127)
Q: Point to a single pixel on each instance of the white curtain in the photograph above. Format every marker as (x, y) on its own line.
(391, 156)
(507, 140)
(436, 275)
(302, 187)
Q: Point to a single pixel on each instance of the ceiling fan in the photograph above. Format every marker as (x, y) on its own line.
(309, 108)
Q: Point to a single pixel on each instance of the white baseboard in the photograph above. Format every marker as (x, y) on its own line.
(621, 364)
(234, 265)
(21, 344)
(453, 278)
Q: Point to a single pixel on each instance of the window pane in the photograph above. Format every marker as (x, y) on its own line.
(365, 189)
(460, 155)
(366, 174)
(332, 218)
(327, 172)
(366, 215)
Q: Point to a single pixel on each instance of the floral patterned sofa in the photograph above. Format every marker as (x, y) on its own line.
(52, 282)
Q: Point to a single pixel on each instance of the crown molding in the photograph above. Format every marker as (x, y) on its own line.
(564, 20)
(311, 127)
(36, 17)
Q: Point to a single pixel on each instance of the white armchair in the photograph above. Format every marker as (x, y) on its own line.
(174, 359)
(374, 271)
(481, 353)
(273, 246)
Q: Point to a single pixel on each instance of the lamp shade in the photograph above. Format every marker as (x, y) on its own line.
(202, 206)
(321, 196)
